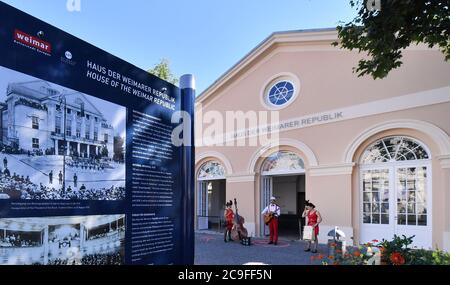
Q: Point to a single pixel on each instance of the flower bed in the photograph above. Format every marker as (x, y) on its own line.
(395, 252)
(399, 252)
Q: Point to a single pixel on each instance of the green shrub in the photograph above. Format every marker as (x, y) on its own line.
(394, 252)
(428, 257)
(398, 252)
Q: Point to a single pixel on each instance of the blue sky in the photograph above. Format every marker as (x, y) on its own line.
(203, 37)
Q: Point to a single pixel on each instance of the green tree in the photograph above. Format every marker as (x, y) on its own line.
(119, 150)
(162, 70)
(383, 33)
(105, 151)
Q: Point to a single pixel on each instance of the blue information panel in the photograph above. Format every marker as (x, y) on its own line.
(88, 171)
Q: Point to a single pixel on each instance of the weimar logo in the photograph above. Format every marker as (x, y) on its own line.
(32, 42)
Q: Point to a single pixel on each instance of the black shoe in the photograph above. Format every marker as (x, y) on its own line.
(275, 243)
(307, 249)
(271, 242)
(225, 240)
(314, 251)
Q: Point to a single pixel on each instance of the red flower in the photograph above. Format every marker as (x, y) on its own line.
(357, 254)
(397, 259)
(333, 244)
(331, 257)
(375, 241)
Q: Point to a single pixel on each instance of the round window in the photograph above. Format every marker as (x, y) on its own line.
(281, 93)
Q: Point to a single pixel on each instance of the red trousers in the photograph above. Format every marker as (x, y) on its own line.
(273, 228)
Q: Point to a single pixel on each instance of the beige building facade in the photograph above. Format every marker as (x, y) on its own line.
(372, 155)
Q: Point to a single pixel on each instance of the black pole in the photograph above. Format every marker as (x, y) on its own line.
(187, 86)
(65, 144)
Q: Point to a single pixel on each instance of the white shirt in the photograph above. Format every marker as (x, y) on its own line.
(272, 208)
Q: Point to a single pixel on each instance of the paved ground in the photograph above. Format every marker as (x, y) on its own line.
(210, 249)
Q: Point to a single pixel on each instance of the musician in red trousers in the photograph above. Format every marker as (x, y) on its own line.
(229, 221)
(274, 211)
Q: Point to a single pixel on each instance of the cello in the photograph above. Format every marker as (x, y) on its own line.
(239, 232)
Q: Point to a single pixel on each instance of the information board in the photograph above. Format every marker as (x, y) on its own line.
(89, 173)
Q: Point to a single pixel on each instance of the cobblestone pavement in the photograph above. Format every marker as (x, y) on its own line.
(210, 249)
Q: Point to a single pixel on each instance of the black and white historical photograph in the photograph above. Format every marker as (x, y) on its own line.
(87, 240)
(58, 144)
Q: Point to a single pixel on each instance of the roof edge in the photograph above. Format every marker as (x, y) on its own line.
(261, 47)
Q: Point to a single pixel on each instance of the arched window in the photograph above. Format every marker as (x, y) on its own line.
(393, 149)
(283, 162)
(395, 190)
(211, 170)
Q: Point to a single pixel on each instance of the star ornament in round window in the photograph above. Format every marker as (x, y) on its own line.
(281, 93)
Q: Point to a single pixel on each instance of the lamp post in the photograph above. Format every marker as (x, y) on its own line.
(62, 96)
(63, 101)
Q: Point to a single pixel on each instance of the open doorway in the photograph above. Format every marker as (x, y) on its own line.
(283, 176)
(212, 205)
(211, 195)
(290, 194)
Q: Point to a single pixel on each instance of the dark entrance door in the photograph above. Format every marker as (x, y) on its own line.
(290, 192)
